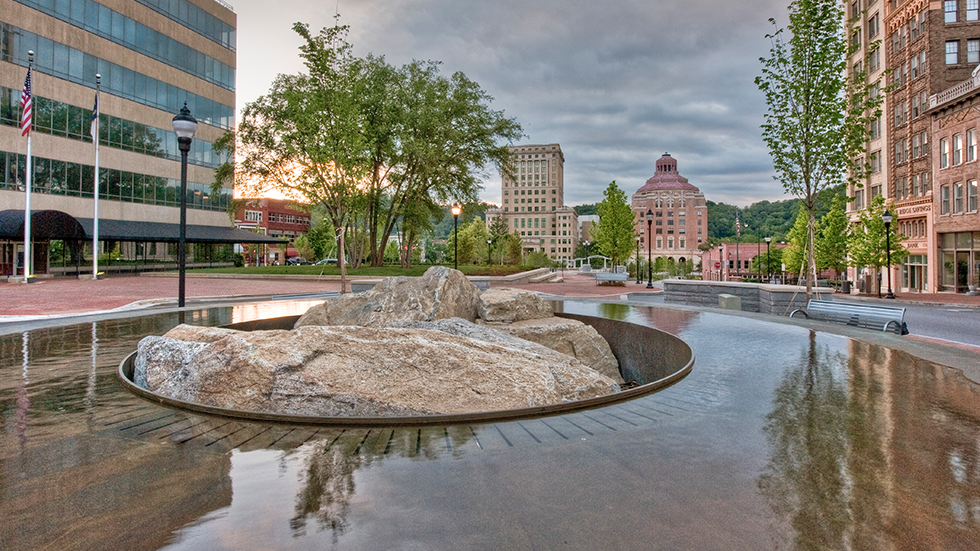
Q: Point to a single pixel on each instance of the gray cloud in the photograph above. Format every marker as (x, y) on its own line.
(616, 83)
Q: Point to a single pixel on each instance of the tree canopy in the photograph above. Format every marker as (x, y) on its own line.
(375, 145)
(614, 232)
(818, 119)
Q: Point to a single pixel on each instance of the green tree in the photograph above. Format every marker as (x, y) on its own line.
(615, 231)
(469, 242)
(498, 236)
(770, 263)
(796, 253)
(818, 121)
(867, 243)
(831, 244)
(515, 248)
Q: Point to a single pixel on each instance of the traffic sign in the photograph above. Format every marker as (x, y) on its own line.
(717, 264)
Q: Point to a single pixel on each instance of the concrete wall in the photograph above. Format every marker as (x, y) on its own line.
(755, 297)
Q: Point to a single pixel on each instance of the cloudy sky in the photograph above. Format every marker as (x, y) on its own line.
(615, 82)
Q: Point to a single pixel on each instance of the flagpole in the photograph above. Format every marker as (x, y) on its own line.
(95, 138)
(27, 202)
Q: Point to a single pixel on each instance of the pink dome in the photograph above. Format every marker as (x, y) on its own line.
(667, 177)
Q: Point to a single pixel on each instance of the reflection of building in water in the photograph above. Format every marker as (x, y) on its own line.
(668, 319)
(874, 450)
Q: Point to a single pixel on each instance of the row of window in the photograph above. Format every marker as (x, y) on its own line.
(528, 192)
(958, 149)
(952, 10)
(283, 218)
(116, 27)
(953, 51)
(915, 186)
(54, 177)
(195, 19)
(79, 67)
(907, 33)
(528, 209)
(914, 229)
(69, 121)
(953, 198)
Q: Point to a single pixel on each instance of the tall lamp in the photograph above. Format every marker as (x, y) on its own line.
(488, 252)
(185, 126)
(887, 218)
(649, 248)
(456, 210)
(639, 275)
(721, 263)
(768, 259)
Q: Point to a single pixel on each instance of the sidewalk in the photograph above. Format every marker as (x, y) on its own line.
(73, 296)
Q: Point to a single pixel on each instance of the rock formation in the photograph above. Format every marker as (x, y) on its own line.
(439, 294)
(358, 371)
(407, 347)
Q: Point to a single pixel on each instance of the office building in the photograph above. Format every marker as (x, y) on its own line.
(679, 222)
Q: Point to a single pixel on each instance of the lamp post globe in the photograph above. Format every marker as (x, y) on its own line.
(887, 219)
(649, 248)
(185, 126)
(456, 210)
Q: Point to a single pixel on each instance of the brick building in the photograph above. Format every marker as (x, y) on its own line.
(956, 220)
(533, 202)
(679, 215)
(275, 218)
(928, 47)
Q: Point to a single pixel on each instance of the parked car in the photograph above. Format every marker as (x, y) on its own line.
(323, 261)
(297, 261)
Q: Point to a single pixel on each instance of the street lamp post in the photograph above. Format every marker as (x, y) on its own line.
(185, 126)
(456, 210)
(887, 218)
(639, 275)
(649, 249)
(768, 259)
(488, 252)
(721, 263)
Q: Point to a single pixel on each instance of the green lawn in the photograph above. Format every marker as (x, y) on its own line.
(363, 271)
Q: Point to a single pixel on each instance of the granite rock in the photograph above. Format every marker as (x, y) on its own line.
(359, 371)
(438, 294)
(505, 305)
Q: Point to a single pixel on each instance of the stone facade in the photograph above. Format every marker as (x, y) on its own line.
(679, 215)
(533, 201)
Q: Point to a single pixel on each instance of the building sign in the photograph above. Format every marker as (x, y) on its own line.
(915, 209)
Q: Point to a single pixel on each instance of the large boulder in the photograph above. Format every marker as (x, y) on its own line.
(505, 305)
(570, 337)
(438, 294)
(358, 371)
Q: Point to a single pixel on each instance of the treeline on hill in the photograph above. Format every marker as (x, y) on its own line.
(774, 219)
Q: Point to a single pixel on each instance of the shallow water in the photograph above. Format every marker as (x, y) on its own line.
(781, 438)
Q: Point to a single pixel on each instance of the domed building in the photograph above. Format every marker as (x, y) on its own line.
(676, 212)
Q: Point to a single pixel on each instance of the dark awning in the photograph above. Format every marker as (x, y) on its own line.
(54, 224)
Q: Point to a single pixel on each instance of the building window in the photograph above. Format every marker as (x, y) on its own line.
(971, 190)
(944, 153)
(876, 128)
(873, 26)
(971, 145)
(901, 152)
(972, 10)
(957, 149)
(949, 6)
(253, 216)
(952, 52)
(957, 197)
(944, 200)
(874, 60)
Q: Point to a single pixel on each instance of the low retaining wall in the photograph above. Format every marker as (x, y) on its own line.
(754, 297)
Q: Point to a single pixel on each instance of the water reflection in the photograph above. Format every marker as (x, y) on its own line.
(848, 446)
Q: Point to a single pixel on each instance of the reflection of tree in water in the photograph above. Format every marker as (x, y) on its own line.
(612, 311)
(826, 465)
(327, 478)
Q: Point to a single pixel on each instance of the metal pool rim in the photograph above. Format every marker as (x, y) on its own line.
(636, 334)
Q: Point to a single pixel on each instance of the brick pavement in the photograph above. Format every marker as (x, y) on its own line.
(69, 296)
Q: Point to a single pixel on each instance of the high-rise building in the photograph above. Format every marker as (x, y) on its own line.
(679, 220)
(154, 56)
(532, 197)
(927, 48)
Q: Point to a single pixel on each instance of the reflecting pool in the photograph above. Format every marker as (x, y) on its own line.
(781, 438)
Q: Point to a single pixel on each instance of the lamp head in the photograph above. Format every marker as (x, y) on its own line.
(456, 210)
(185, 126)
(887, 217)
(649, 213)
(768, 239)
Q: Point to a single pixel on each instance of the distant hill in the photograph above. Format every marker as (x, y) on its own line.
(763, 218)
(585, 210)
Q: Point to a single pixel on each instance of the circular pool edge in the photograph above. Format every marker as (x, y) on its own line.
(631, 343)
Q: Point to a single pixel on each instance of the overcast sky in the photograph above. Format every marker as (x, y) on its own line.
(615, 82)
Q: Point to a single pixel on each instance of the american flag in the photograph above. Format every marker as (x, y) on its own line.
(28, 106)
(95, 117)
(738, 226)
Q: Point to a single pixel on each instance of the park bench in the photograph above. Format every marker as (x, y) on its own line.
(857, 315)
(611, 278)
